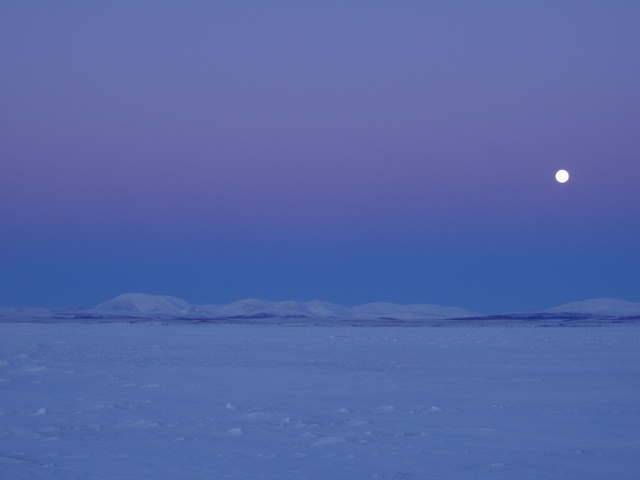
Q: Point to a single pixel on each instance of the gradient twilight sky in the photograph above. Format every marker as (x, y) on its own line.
(347, 151)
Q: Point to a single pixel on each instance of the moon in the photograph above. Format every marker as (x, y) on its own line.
(562, 176)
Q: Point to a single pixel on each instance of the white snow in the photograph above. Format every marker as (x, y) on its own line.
(271, 401)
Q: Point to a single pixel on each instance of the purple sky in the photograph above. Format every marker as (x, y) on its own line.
(373, 151)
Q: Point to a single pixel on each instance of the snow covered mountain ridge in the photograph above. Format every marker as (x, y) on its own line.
(158, 305)
(143, 306)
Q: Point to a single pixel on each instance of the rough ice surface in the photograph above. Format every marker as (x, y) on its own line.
(200, 401)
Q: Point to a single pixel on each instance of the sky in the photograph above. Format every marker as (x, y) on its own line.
(351, 152)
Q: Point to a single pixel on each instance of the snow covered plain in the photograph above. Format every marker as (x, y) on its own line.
(166, 400)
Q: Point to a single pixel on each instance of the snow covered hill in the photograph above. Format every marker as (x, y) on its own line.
(139, 304)
(142, 306)
(142, 303)
(609, 307)
(254, 308)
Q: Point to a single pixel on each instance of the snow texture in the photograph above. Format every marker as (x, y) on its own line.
(166, 400)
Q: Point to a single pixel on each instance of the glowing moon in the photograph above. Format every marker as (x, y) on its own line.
(562, 176)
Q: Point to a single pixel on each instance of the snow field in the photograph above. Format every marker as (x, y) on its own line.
(155, 401)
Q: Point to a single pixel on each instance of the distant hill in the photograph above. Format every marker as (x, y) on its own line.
(140, 304)
(609, 307)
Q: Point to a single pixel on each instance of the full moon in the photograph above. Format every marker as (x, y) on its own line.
(562, 176)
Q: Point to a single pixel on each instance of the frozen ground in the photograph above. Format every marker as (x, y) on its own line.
(153, 401)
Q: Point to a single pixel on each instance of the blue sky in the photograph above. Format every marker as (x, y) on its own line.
(358, 152)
